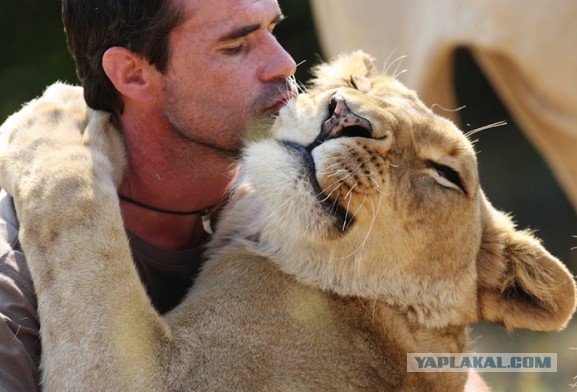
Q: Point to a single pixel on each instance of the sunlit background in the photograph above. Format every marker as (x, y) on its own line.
(513, 174)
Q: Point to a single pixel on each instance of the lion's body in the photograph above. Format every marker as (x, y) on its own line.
(356, 235)
(263, 329)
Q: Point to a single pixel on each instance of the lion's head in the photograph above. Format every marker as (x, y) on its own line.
(364, 191)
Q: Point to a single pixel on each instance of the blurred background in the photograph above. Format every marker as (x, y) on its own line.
(513, 174)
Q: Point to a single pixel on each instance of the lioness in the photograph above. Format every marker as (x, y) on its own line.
(354, 236)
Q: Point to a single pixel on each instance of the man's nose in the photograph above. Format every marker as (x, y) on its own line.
(279, 64)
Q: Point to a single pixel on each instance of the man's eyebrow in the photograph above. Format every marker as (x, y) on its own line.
(246, 30)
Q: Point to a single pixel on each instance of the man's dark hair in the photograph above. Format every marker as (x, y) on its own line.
(93, 26)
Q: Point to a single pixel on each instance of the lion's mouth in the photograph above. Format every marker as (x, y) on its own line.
(340, 122)
(332, 206)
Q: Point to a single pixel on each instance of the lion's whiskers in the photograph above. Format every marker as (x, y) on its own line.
(332, 189)
(300, 87)
(337, 172)
(350, 172)
(348, 207)
(355, 214)
(397, 62)
(292, 84)
(376, 185)
(444, 109)
(348, 195)
(484, 128)
(369, 229)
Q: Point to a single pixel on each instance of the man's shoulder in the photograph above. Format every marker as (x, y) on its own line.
(19, 336)
(13, 267)
(9, 225)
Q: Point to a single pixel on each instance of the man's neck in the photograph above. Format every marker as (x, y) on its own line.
(173, 176)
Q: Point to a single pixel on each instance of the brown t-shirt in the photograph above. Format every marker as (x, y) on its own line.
(167, 275)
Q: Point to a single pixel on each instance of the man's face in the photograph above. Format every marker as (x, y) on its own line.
(226, 68)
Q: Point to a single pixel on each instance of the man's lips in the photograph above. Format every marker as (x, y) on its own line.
(277, 106)
(281, 102)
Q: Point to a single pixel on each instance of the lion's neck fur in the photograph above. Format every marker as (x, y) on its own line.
(432, 303)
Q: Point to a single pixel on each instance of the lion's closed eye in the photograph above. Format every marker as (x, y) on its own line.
(446, 176)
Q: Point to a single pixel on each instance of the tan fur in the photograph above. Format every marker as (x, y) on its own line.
(306, 288)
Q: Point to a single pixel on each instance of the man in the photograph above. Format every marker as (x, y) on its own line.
(183, 79)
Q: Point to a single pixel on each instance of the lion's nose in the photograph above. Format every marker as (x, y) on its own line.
(342, 122)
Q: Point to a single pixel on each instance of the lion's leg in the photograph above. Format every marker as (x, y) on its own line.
(99, 330)
(98, 327)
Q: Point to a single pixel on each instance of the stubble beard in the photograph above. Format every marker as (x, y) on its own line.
(225, 142)
(228, 141)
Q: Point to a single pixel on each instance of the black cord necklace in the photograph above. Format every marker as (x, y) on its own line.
(203, 212)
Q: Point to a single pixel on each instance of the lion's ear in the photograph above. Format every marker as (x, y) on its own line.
(520, 284)
(346, 70)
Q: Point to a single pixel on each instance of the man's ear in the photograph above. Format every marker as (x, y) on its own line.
(520, 284)
(130, 73)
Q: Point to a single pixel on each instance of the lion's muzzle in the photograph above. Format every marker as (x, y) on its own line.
(342, 122)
